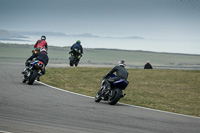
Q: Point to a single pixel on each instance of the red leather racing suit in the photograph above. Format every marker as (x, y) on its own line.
(41, 44)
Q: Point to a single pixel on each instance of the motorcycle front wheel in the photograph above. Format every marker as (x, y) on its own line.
(32, 77)
(115, 96)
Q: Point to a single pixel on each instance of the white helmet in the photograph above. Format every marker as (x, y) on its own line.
(43, 37)
(122, 63)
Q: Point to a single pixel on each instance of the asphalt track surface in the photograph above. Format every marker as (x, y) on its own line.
(41, 109)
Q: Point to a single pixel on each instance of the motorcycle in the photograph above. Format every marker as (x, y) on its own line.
(32, 71)
(74, 58)
(114, 94)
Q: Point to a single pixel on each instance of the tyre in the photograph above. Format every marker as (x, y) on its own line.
(71, 61)
(115, 97)
(32, 77)
(97, 98)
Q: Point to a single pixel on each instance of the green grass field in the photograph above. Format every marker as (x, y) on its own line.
(169, 90)
(134, 59)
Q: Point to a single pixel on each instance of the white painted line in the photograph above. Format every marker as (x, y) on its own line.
(160, 111)
(64, 90)
(4, 132)
(119, 102)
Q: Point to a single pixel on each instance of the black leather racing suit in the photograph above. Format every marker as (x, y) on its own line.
(121, 72)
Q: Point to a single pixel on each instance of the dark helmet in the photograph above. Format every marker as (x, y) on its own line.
(122, 62)
(43, 37)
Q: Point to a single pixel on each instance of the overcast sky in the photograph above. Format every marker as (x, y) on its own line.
(154, 19)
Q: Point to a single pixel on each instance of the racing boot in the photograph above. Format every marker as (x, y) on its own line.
(38, 77)
(123, 95)
(25, 70)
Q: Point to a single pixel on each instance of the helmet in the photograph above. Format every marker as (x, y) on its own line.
(43, 50)
(78, 41)
(122, 62)
(43, 37)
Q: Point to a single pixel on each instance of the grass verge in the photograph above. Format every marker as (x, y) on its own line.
(168, 90)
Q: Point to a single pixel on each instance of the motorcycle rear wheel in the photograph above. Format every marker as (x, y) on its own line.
(112, 100)
(32, 77)
(71, 60)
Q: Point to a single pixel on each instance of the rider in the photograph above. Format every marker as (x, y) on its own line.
(77, 46)
(121, 73)
(41, 43)
(41, 56)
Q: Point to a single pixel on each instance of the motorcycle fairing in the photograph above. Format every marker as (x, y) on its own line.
(122, 84)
